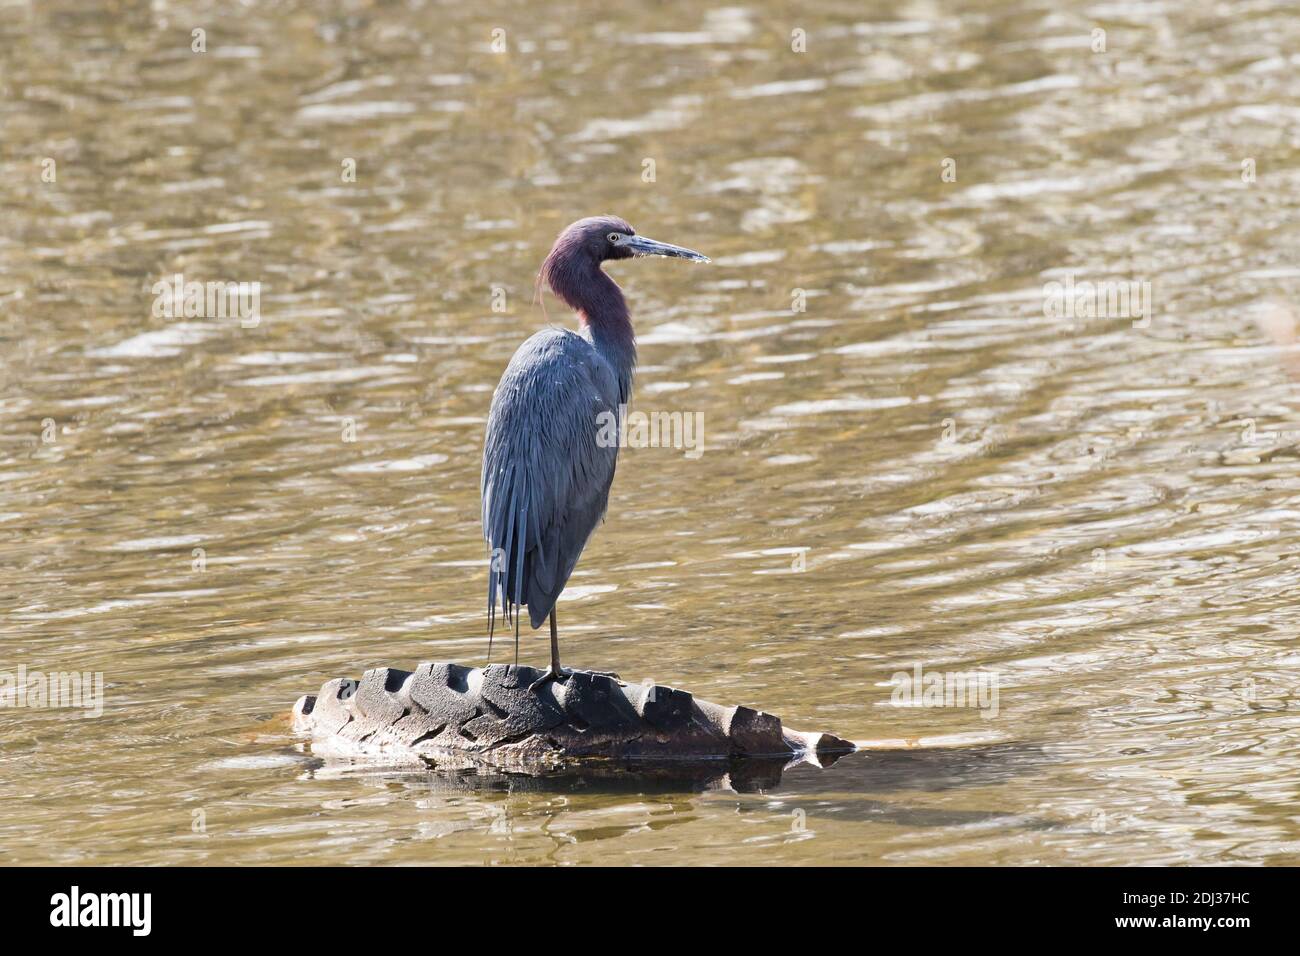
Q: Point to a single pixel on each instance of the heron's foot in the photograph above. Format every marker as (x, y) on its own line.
(561, 674)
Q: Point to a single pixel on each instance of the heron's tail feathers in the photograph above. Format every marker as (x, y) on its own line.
(508, 535)
(530, 563)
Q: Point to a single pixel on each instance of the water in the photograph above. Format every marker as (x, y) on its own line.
(1101, 514)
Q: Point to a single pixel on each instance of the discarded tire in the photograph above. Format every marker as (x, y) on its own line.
(455, 716)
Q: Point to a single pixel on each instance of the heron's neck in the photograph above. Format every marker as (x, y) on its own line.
(604, 316)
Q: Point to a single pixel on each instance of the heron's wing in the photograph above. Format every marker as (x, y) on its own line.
(548, 462)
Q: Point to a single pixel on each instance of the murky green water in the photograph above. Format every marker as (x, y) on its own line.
(1100, 513)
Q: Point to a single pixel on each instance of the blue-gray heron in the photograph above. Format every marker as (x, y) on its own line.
(547, 462)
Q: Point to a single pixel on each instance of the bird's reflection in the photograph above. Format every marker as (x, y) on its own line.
(547, 812)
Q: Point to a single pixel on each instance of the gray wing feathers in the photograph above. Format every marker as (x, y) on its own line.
(546, 478)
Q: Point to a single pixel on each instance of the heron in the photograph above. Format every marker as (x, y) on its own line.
(547, 462)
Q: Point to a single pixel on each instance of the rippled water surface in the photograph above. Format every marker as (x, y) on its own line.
(1099, 512)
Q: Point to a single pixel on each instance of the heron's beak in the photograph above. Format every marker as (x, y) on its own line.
(641, 246)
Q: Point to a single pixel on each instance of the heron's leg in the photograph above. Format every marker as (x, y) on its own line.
(555, 644)
(516, 635)
(555, 671)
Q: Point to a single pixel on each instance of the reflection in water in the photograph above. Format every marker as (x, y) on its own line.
(745, 775)
(805, 789)
(909, 460)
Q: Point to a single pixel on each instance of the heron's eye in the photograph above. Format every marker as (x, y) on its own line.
(614, 237)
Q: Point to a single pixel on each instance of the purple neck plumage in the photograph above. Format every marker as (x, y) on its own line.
(580, 283)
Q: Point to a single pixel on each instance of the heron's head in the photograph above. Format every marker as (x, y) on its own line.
(598, 238)
(573, 272)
